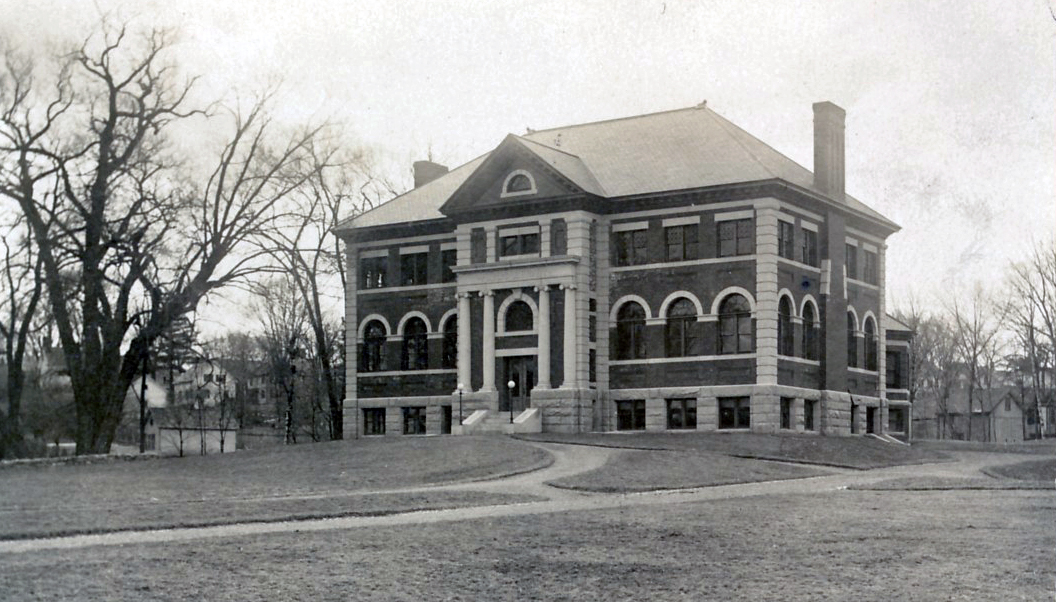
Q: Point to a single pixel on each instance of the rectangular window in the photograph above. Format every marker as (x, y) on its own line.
(448, 260)
(414, 269)
(896, 420)
(414, 421)
(373, 421)
(786, 240)
(894, 370)
(592, 320)
(632, 247)
(735, 413)
(786, 412)
(735, 237)
(478, 246)
(852, 262)
(630, 415)
(372, 271)
(810, 247)
(519, 244)
(681, 242)
(592, 366)
(682, 413)
(809, 406)
(869, 273)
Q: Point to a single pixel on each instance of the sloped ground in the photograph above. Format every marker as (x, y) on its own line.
(842, 452)
(322, 479)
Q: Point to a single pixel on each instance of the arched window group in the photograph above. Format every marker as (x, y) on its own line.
(870, 344)
(735, 325)
(415, 345)
(679, 336)
(810, 332)
(373, 342)
(785, 335)
(852, 340)
(630, 332)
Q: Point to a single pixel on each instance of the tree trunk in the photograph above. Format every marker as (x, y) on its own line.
(13, 445)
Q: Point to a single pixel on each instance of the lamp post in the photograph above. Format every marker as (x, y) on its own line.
(461, 388)
(510, 385)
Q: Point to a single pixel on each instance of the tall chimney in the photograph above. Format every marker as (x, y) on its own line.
(828, 149)
(427, 171)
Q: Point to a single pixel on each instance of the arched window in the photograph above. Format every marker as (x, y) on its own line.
(852, 342)
(630, 332)
(735, 325)
(449, 359)
(870, 344)
(373, 341)
(810, 333)
(518, 317)
(678, 332)
(519, 183)
(415, 345)
(785, 340)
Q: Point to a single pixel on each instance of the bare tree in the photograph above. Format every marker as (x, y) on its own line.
(305, 248)
(22, 287)
(282, 315)
(933, 367)
(977, 324)
(130, 236)
(1032, 315)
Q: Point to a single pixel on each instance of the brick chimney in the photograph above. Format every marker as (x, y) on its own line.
(828, 149)
(427, 171)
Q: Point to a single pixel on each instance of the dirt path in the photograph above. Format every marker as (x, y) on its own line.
(568, 460)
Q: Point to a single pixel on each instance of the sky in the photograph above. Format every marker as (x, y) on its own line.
(951, 106)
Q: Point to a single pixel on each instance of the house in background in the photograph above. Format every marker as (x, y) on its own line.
(189, 431)
(661, 272)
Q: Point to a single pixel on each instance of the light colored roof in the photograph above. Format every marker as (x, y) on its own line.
(673, 150)
(894, 323)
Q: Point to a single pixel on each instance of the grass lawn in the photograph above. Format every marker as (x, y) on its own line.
(1045, 447)
(844, 452)
(302, 480)
(645, 470)
(1030, 470)
(845, 545)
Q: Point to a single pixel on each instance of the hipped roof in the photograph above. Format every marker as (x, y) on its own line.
(682, 149)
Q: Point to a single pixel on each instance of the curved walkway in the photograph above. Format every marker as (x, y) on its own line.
(568, 460)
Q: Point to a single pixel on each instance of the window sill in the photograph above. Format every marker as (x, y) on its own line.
(400, 289)
(675, 264)
(689, 358)
(386, 373)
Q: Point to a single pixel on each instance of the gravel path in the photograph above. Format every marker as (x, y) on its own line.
(568, 460)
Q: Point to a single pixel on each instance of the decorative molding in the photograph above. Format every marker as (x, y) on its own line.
(662, 312)
(732, 215)
(413, 314)
(726, 292)
(630, 226)
(674, 264)
(414, 250)
(370, 318)
(504, 194)
(690, 358)
(626, 299)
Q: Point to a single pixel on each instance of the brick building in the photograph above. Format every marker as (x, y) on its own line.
(665, 271)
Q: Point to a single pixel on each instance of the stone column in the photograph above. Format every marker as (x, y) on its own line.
(489, 341)
(569, 337)
(544, 338)
(465, 353)
(766, 287)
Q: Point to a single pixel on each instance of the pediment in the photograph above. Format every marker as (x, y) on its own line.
(519, 171)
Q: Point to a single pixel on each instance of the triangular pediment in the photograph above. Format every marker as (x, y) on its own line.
(520, 170)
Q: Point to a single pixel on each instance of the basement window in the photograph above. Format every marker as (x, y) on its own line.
(414, 421)
(682, 414)
(735, 413)
(630, 415)
(373, 421)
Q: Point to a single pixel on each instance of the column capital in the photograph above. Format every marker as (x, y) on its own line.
(486, 293)
(567, 287)
(542, 288)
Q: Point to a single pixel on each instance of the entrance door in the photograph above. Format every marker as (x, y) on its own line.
(521, 370)
(870, 420)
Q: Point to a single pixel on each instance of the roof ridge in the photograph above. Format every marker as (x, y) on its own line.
(723, 122)
(614, 119)
(547, 146)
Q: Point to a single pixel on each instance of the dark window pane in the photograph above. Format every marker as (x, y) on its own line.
(852, 261)
(519, 183)
(518, 317)
(448, 260)
(450, 355)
